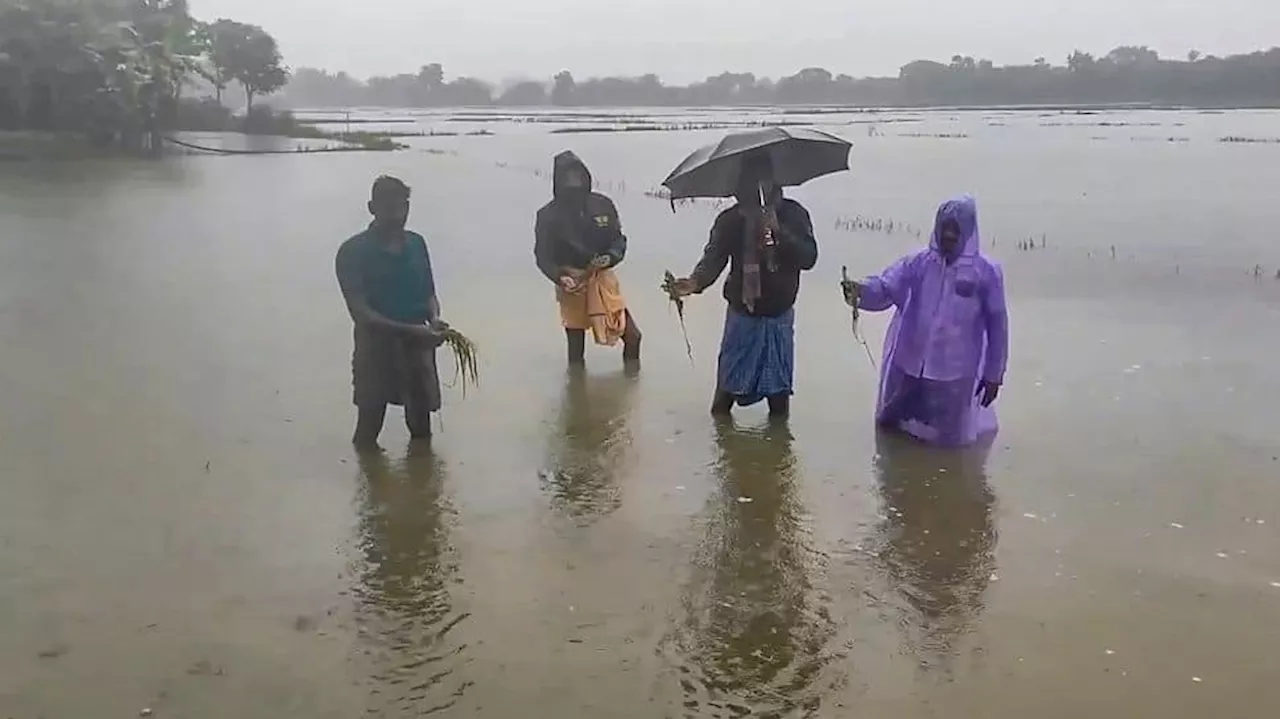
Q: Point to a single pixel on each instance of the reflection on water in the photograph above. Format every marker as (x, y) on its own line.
(177, 397)
(937, 540)
(404, 608)
(590, 443)
(755, 637)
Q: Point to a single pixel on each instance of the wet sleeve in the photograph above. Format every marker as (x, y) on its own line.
(544, 247)
(799, 246)
(618, 244)
(715, 256)
(889, 288)
(996, 315)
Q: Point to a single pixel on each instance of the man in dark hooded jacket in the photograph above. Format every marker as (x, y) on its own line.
(578, 242)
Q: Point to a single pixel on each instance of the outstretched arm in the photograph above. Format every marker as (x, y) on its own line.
(996, 317)
(887, 289)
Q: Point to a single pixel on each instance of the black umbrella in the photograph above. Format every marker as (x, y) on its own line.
(799, 154)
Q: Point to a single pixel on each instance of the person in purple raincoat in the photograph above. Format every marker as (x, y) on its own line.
(946, 350)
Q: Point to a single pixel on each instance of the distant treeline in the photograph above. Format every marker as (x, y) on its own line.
(1125, 75)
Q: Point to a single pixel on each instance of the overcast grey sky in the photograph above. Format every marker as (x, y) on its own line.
(684, 40)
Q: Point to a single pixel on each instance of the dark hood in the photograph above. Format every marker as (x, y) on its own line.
(562, 163)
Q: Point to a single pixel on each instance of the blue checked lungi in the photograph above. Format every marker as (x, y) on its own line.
(757, 356)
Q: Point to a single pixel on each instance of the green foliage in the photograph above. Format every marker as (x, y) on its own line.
(203, 115)
(246, 54)
(209, 115)
(263, 120)
(113, 69)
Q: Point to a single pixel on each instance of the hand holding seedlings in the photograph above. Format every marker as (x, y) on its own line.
(853, 296)
(677, 290)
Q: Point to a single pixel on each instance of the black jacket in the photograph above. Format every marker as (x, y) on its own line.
(571, 231)
(797, 251)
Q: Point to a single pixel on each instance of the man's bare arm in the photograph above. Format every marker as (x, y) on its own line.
(433, 309)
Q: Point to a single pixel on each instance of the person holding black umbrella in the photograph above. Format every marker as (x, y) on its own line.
(767, 241)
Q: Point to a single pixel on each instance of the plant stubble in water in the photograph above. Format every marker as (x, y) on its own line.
(177, 488)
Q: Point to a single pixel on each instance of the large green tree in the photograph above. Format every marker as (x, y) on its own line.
(246, 54)
(113, 68)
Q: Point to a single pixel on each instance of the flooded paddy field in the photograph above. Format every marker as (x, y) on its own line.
(185, 529)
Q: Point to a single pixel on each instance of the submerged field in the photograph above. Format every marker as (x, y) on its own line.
(184, 528)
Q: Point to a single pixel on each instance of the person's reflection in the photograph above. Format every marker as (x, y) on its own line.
(937, 539)
(755, 640)
(590, 443)
(407, 566)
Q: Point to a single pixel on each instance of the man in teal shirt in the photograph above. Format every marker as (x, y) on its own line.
(386, 280)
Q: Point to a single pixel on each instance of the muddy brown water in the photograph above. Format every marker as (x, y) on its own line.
(183, 527)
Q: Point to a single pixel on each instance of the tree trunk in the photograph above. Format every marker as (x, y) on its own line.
(248, 112)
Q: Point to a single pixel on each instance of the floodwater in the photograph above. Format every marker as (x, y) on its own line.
(184, 528)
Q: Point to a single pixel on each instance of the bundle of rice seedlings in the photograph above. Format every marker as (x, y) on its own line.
(465, 355)
(854, 301)
(669, 286)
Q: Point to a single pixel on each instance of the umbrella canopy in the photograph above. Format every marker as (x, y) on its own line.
(799, 154)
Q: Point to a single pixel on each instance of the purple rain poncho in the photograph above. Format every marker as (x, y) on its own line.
(949, 332)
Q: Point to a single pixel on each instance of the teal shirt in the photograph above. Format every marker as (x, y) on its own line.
(396, 285)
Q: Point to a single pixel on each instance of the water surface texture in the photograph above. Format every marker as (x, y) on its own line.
(184, 528)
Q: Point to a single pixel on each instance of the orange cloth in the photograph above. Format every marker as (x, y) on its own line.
(599, 307)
